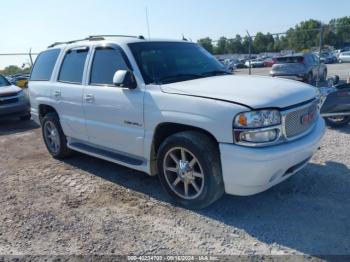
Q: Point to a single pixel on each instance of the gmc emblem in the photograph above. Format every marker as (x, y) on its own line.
(307, 118)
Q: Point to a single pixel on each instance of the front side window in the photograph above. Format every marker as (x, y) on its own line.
(105, 63)
(3, 81)
(44, 65)
(168, 62)
(72, 67)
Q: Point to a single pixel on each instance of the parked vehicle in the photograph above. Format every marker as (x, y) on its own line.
(302, 67)
(21, 80)
(255, 63)
(335, 103)
(327, 58)
(344, 57)
(170, 108)
(269, 62)
(13, 101)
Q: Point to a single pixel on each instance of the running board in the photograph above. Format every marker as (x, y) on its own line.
(105, 154)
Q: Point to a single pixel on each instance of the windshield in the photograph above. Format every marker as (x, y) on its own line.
(3, 81)
(169, 62)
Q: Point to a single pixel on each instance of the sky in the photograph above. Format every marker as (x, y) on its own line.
(38, 23)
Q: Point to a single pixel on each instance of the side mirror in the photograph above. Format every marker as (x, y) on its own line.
(124, 79)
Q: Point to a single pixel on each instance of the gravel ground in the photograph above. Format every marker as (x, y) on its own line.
(89, 206)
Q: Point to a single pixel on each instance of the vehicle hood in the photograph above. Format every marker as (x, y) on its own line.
(252, 91)
(9, 89)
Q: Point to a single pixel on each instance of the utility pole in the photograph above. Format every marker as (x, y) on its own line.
(250, 53)
(319, 57)
(30, 57)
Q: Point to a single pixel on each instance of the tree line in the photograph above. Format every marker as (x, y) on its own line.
(13, 70)
(303, 36)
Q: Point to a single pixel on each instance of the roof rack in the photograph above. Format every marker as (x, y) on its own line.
(94, 38)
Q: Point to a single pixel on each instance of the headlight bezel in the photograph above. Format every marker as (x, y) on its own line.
(273, 126)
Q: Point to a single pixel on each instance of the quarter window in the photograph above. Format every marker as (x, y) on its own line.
(105, 63)
(72, 68)
(44, 65)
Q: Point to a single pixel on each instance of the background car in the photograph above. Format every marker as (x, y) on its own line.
(21, 80)
(344, 57)
(269, 62)
(14, 101)
(302, 66)
(255, 63)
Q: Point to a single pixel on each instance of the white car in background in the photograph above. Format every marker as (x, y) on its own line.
(344, 57)
(255, 63)
(169, 108)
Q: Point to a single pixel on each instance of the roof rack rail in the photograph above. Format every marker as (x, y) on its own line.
(102, 36)
(94, 37)
(68, 42)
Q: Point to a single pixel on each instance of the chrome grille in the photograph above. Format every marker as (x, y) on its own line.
(294, 124)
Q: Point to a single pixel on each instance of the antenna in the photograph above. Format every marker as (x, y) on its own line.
(147, 22)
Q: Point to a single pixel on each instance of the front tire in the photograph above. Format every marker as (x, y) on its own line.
(337, 121)
(189, 169)
(54, 138)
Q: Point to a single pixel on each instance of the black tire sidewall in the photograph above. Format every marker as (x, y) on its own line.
(211, 184)
(338, 124)
(63, 151)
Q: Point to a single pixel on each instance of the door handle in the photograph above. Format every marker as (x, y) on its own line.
(89, 98)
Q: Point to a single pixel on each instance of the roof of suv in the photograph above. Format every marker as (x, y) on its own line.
(120, 39)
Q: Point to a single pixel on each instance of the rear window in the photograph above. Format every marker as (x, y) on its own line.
(72, 67)
(290, 59)
(44, 65)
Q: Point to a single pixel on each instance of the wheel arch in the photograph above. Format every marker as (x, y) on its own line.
(166, 129)
(44, 109)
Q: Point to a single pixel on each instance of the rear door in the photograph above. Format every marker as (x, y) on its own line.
(114, 115)
(68, 92)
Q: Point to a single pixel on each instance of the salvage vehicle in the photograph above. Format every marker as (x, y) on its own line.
(302, 67)
(169, 108)
(13, 101)
(335, 103)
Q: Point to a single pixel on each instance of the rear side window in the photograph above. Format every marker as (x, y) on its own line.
(72, 67)
(44, 65)
(105, 63)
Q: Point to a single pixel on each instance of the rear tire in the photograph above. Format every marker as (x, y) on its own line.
(324, 75)
(54, 138)
(191, 158)
(310, 79)
(337, 122)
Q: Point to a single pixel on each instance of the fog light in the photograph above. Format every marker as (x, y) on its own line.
(259, 136)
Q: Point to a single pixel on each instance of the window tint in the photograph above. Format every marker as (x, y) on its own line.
(105, 63)
(44, 65)
(166, 62)
(72, 67)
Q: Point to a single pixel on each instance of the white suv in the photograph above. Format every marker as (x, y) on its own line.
(170, 108)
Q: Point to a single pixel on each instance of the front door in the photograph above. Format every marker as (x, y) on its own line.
(114, 115)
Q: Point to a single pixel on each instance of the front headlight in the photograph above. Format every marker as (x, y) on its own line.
(257, 128)
(258, 119)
